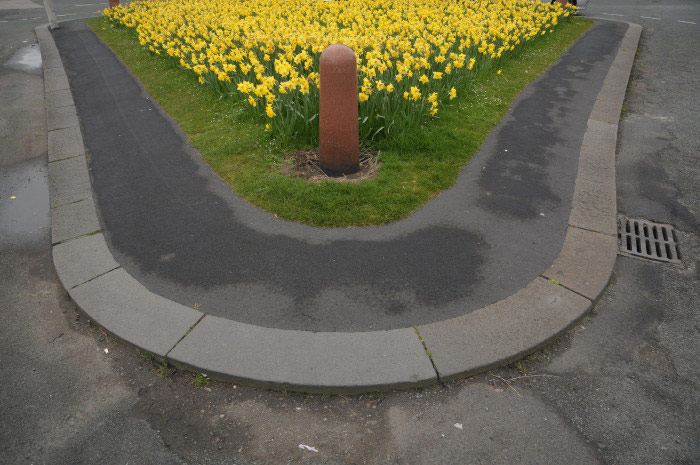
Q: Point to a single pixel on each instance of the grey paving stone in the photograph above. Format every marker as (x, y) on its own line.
(69, 181)
(625, 58)
(631, 39)
(597, 164)
(608, 105)
(65, 143)
(82, 259)
(51, 62)
(60, 98)
(125, 308)
(42, 32)
(305, 360)
(503, 331)
(600, 134)
(597, 157)
(48, 49)
(55, 79)
(585, 263)
(594, 207)
(73, 220)
(61, 117)
(612, 93)
(617, 76)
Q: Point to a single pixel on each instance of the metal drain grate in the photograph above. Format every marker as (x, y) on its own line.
(642, 238)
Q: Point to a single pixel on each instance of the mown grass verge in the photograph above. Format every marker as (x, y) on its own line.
(412, 171)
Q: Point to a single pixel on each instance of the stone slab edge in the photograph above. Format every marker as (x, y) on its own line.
(596, 167)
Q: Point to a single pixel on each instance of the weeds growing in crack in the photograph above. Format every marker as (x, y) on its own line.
(163, 371)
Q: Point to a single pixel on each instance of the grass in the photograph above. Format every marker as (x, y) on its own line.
(200, 380)
(163, 371)
(412, 171)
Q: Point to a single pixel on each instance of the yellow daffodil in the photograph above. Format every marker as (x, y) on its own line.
(271, 49)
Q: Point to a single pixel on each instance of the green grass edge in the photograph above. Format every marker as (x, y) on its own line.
(422, 166)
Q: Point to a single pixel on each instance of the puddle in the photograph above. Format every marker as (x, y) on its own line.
(24, 203)
(26, 59)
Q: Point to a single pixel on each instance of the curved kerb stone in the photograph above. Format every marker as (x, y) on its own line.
(329, 361)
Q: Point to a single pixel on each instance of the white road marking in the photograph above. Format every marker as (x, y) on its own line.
(68, 14)
(648, 17)
(612, 14)
(686, 22)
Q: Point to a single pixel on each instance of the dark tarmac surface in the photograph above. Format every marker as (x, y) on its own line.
(177, 228)
(623, 388)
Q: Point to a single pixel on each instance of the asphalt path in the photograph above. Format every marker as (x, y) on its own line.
(175, 226)
(620, 389)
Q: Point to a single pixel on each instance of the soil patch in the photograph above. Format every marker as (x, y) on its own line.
(305, 164)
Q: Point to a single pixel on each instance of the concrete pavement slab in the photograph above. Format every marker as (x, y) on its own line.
(631, 39)
(51, 61)
(73, 220)
(597, 157)
(504, 331)
(82, 259)
(594, 207)
(585, 263)
(69, 181)
(60, 98)
(607, 107)
(48, 51)
(134, 314)
(625, 58)
(310, 361)
(42, 33)
(65, 143)
(618, 75)
(55, 79)
(61, 118)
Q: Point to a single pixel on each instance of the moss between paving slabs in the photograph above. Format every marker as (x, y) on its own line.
(412, 171)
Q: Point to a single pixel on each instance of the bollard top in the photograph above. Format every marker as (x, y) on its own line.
(338, 55)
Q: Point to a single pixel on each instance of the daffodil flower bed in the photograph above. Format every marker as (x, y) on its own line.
(414, 166)
(413, 56)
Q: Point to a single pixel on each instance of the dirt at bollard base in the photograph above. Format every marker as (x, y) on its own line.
(306, 165)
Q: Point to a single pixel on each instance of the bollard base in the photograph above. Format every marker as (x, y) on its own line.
(339, 174)
(306, 165)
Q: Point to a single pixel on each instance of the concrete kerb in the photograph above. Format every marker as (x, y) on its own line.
(341, 362)
(305, 360)
(503, 332)
(69, 181)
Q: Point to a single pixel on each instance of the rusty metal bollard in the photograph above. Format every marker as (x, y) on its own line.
(338, 125)
(113, 3)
